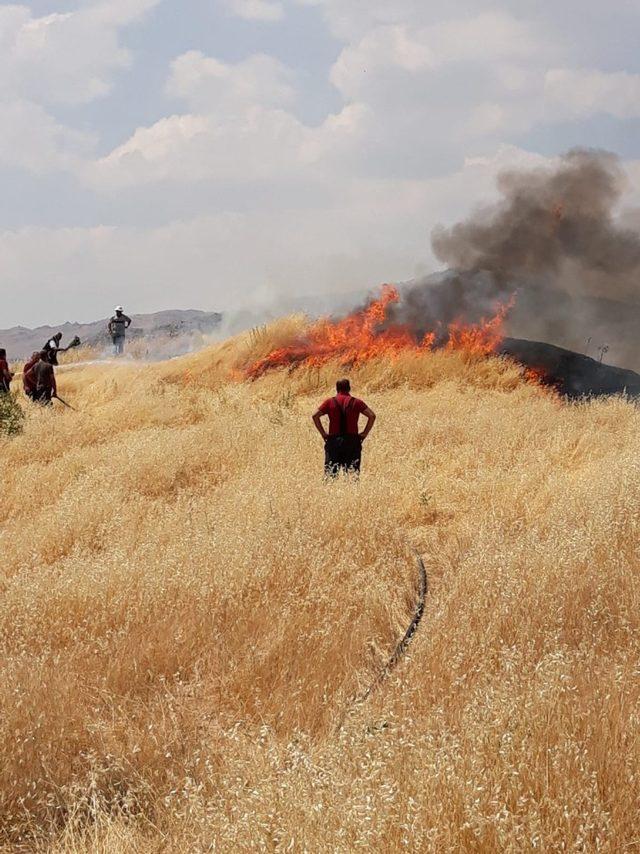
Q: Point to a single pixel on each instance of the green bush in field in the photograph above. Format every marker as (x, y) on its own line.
(11, 415)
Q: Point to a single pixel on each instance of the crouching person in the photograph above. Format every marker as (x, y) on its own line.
(41, 380)
(28, 379)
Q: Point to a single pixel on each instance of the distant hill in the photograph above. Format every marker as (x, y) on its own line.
(20, 341)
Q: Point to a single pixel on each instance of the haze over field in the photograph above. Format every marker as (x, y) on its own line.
(185, 328)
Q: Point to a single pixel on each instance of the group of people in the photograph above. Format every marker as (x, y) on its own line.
(342, 440)
(38, 374)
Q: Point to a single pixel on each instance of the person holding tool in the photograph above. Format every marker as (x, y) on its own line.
(52, 348)
(41, 380)
(343, 441)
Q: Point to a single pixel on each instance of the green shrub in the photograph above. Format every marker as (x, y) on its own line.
(11, 415)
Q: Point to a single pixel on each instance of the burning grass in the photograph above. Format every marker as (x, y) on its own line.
(368, 334)
(187, 610)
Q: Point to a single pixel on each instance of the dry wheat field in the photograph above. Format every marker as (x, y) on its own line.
(188, 612)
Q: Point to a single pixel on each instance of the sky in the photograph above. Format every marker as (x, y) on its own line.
(223, 154)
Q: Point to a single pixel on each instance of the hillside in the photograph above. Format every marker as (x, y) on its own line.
(188, 612)
(20, 342)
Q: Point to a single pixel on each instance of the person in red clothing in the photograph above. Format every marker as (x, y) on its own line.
(42, 376)
(5, 374)
(343, 441)
(28, 380)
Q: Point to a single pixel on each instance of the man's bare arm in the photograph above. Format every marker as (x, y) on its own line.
(370, 415)
(317, 420)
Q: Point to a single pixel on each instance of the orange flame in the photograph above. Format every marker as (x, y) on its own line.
(363, 335)
(538, 376)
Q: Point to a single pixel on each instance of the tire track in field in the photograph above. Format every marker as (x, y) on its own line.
(401, 646)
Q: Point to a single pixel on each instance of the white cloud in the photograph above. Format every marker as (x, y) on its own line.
(256, 10)
(436, 91)
(61, 59)
(64, 58)
(578, 93)
(238, 131)
(240, 125)
(31, 139)
(118, 12)
(256, 146)
(211, 86)
(489, 37)
(350, 19)
(191, 148)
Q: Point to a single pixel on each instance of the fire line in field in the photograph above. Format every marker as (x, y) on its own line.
(366, 334)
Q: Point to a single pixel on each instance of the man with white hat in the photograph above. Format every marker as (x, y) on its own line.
(117, 326)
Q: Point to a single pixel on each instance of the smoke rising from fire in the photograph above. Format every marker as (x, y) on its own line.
(555, 240)
(550, 261)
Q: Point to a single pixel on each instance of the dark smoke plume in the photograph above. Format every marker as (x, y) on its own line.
(555, 241)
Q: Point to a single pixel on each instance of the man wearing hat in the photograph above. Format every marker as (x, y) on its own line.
(118, 325)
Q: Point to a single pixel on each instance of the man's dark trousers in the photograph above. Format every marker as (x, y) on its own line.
(43, 396)
(342, 453)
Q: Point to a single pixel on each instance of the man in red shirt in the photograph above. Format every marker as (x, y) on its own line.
(343, 442)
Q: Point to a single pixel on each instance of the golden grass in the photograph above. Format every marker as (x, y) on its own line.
(188, 610)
